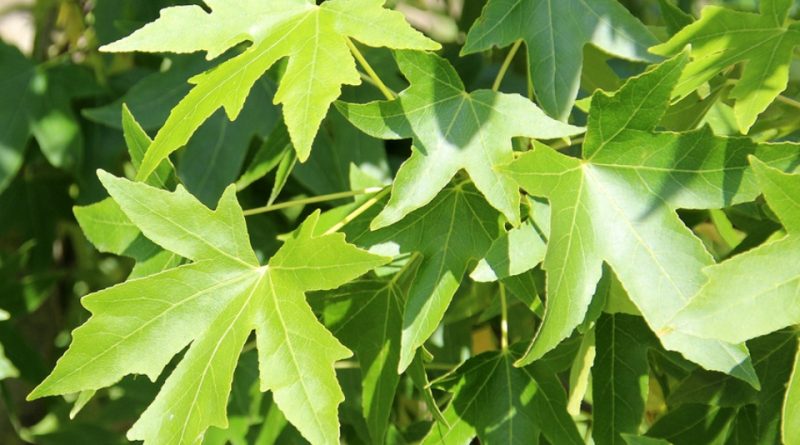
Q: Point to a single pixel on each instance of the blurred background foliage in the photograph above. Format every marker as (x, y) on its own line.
(60, 120)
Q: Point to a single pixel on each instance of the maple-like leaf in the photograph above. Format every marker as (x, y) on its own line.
(212, 305)
(455, 230)
(314, 38)
(724, 37)
(498, 403)
(555, 32)
(451, 130)
(735, 306)
(617, 205)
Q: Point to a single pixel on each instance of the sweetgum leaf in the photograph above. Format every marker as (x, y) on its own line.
(617, 205)
(212, 305)
(314, 38)
(723, 37)
(453, 231)
(452, 130)
(555, 32)
(735, 305)
(498, 403)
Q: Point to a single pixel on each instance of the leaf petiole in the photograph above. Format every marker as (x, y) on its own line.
(506, 64)
(376, 80)
(311, 200)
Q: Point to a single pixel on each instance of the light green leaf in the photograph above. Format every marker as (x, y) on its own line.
(735, 305)
(451, 130)
(618, 203)
(212, 305)
(723, 37)
(518, 250)
(791, 406)
(314, 38)
(555, 32)
(620, 377)
(498, 403)
(107, 227)
(451, 232)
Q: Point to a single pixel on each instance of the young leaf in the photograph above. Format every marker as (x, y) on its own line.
(451, 232)
(617, 205)
(735, 305)
(498, 403)
(315, 38)
(724, 37)
(212, 305)
(555, 32)
(452, 130)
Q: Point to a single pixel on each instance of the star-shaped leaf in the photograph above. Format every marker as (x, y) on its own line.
(555, 32)
(723, 37)
(450, 233)
(734, 306)
(212, 305)
(498, 403)
(452, 130)
(617, 205)
(314, 38)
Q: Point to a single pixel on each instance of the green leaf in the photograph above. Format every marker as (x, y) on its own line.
(367, 317)
(555, 32)
(451, 130)
(454, 230)
(36, 104)
(735, 305)
(791, 406)
(631, 439)
(107, 227)
(518, 250)
(674, 17)
(212, 305)
(620, 377)
(314, 38)
(617, 205)
(498, 403)
(153, 96)
(723, 37)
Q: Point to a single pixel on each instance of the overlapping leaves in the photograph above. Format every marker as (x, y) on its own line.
(315, 38)
(617, 205)
(555, 32)
(213, 304)
(724, 37)
(452, 130)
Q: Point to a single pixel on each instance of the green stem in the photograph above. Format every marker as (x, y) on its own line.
(506, 63)
(789, 101)
(361, 209)
(390, 95)
(503, 319)
(311, 200)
